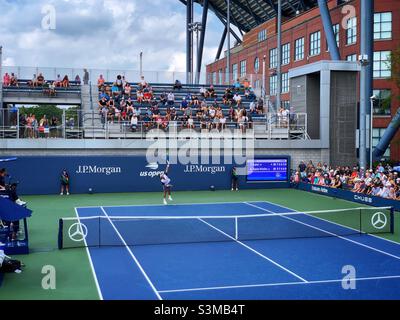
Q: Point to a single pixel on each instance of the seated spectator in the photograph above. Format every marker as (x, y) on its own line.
(177, 85)
(139, 96)
(211, 92)
(100, 82)
(58, 81)
(143, 84)
(147, 96)
(249, 94)
(171, 99)
(134, 123)
(203, 92)
(13, 80)
(195, 100)
(238, 99)
(116, 92)
(33, 82)
(260, 106)
(65, 82)
(246, 84)
(164, 98)
(78, 79)
(6, 80)
(237, 85)
(227, 97)
(40, 80)
(127, 90)
(119, 82)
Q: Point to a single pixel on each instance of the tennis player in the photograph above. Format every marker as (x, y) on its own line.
(166, 182)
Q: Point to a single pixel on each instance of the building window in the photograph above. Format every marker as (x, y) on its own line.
(286, 104)
(336, 31)
(256, 65)
(299, 49)
(377, 134)
(262, 35)
(382, 67)
(315, 43)
(352, 58)
(220, 72)
(351, 31)
(214, 78)
(286, 53)
(382, 25)
(273, 58)
(243, 65)
(273, 82)
(383, 101)
(285, 82)
(234, 71)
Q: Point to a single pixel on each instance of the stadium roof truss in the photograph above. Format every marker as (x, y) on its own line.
(245, 15)
(248, 14)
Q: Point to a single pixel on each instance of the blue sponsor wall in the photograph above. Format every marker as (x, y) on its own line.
(348, 195)
(110, 174)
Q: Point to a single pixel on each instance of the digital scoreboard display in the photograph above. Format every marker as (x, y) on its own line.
(267, 170)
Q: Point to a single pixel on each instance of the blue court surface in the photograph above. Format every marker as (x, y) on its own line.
(309, 262)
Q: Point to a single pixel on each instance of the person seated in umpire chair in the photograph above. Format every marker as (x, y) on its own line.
(9, 191)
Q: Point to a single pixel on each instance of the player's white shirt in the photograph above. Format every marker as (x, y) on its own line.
(165, 180)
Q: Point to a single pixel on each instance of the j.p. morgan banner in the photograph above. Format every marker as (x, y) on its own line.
(41, 175)
(348, 195)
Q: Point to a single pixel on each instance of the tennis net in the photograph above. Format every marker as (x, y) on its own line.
(153, 230)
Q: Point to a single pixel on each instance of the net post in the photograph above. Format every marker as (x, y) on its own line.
(392, 220)
(60, 234)
(361, 229)
(236, 229)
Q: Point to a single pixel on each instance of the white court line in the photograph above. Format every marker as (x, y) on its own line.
(328, 232)
(276, 284)
(133, 256)
(90, 261)
(366, 207)
(254, 251)
(163, 206)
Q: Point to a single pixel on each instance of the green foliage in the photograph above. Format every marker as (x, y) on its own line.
(395, 67)
(50, 111)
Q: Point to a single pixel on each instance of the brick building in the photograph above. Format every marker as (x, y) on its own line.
(304, 41)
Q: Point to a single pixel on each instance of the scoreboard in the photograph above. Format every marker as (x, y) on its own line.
(268, 170)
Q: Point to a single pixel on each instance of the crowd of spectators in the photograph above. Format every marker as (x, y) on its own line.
(31, 127)
(121, 102)
(39, 81)
(383, 181)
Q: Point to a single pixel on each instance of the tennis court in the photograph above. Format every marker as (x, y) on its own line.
(244, 250)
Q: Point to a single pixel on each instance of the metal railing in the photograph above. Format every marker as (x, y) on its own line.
(78, 124)
(133, 76)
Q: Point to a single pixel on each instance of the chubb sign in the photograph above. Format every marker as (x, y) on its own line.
(98, 170)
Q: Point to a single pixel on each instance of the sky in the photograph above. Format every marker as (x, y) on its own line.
(100, 34)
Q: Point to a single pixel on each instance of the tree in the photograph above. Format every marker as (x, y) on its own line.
(395, 67)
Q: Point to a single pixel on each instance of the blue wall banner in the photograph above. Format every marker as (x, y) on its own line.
(112, 174)
(348, 195)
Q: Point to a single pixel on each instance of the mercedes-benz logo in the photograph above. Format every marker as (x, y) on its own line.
(77, 232)
(379, 220)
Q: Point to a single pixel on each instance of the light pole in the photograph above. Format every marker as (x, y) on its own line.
(141, 63)
(228, 52)
(371, 99)
(263, 93)
(196, 27)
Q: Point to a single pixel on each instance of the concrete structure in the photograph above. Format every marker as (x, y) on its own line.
(326, 91)
(309, 23)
